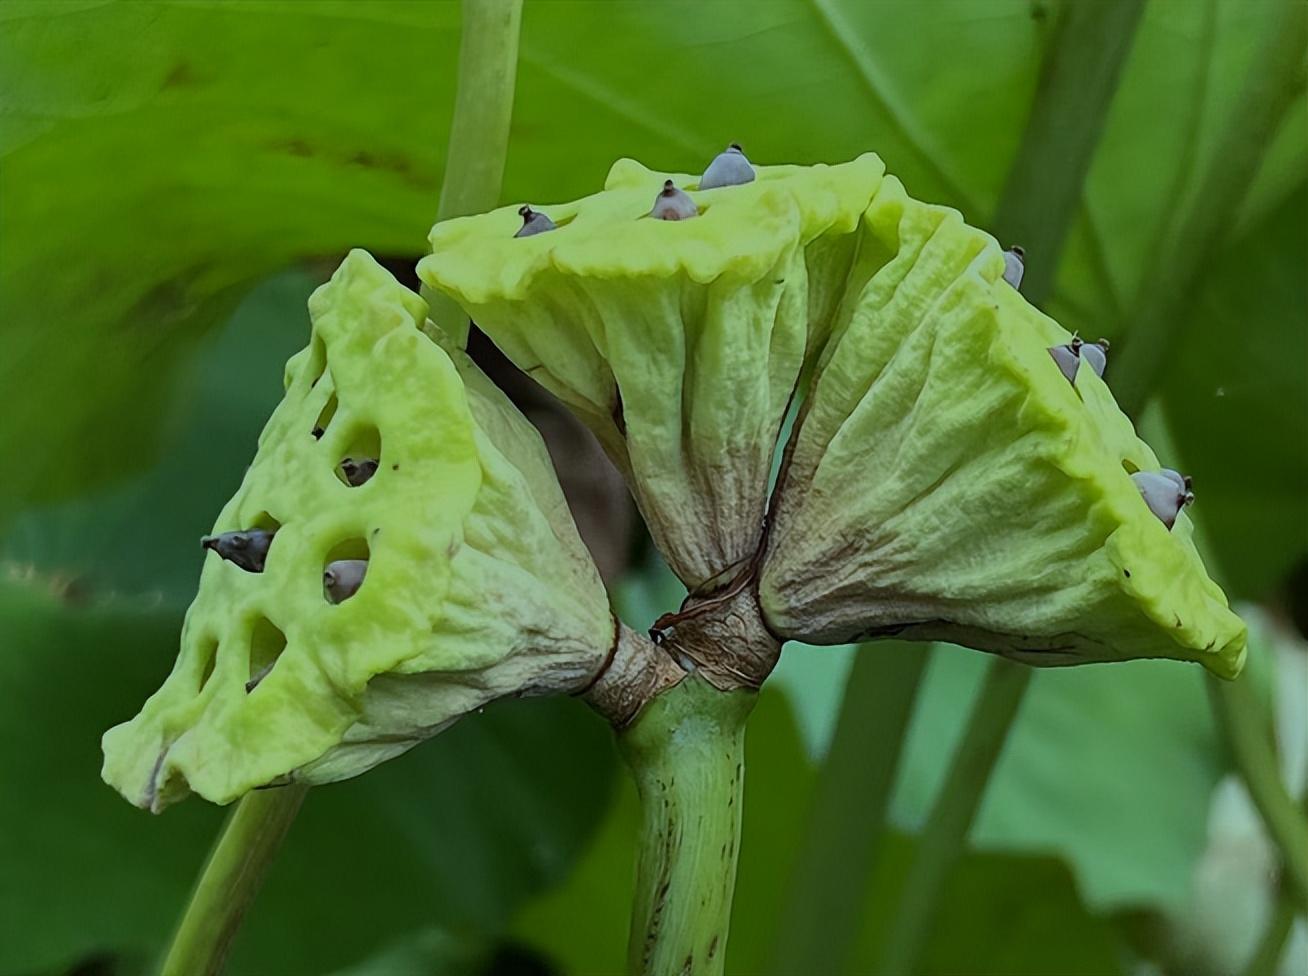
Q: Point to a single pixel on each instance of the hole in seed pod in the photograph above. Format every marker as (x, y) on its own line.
(265, 522)
(1129, 466)
(208, 655)
(344, 569)
(266, 645)
(317, 364)
(361, 458)
(325, 416)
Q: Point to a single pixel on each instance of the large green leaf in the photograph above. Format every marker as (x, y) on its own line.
(1110, 767)
(455, 833)
(158, 157)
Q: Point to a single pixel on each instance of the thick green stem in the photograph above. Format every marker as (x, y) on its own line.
(1159, 317)
(231, 879)
(687, 751)
(1271, 945)
(945, 833)
(1077, 82)
(479, 131)
(1244, 726)
(829, 886)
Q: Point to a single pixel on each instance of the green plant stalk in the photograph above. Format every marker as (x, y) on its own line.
(1077, 82)
(945, 833)
(828, 888)
(230, 880)
(1160, 318)
(1271, 945)
(1245, 729)
(1078, 79)
(479, 130)
(687, 752)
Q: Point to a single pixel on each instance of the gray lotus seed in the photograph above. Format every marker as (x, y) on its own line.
(248, 548)
(673, 204)
(533, 222)
(358, 471)
(729, 168)
(342, 578)
(1068, 358)
(1014, 265)
(1165, 492)
(1096, 354)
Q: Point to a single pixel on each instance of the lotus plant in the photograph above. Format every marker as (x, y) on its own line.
(400, 552)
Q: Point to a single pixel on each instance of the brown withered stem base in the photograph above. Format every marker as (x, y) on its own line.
(722, 637)
(637, 671)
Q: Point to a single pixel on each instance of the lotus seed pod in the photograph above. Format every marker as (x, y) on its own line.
(301, 674)
(673, 204)
(533, 222)
(1165, 492)
(342, 578)
(247, 548)
(729, 168)
(1096, 355)
(679, 344)
(944, 483)
(358, 471)
(1068, 358)
(1014, 265)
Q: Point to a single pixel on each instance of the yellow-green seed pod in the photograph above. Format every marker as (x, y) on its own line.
(678, 342)
(477, 585)
(947, 482)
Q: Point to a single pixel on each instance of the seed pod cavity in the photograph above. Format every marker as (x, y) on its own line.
(247, 548)
(673, 203)
(533, 222)
(729, 168)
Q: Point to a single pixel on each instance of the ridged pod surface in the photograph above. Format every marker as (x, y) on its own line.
(946, 482)
(477, 585)
(679, 342)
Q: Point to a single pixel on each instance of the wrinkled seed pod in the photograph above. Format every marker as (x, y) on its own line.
(729, 168)
(1014, 265)
(358, 471)
(673, 203)
(1165, 492)
(533, 222)
(1068, 358)
(247, 548)
(342, 578)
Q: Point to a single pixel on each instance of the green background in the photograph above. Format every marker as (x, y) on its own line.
(176, 177)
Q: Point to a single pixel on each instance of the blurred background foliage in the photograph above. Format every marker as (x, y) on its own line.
(176, 177)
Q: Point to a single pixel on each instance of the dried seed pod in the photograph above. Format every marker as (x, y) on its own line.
(1165, 492)
(1068, 357)
(1014, 265)
(673, 203)
(342, 578)
(418, 646)
(533, 222)
(357, 471)
(1096, 354)
(247, 548)
(729, 168)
